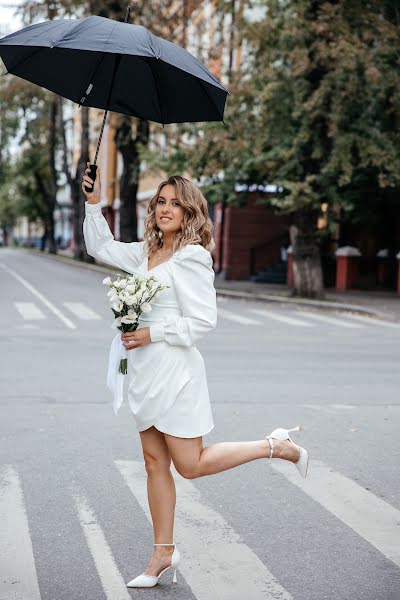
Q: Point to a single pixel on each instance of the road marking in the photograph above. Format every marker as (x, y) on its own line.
(82, 311)
(111, 579)
(29, 311)
(222, 566)
(372, 321)
(278, 317)
(18, 577)
(231, 316)
(42, 298)
(330, 320)
(371, 517)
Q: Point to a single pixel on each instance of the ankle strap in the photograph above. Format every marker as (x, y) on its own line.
(163, 544)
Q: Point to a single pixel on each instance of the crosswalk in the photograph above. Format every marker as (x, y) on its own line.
(300, 318)
(223, 566)
(71, 312)
(31, 312)
(18, 577)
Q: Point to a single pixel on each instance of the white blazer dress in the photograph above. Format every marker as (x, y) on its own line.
(167, 382)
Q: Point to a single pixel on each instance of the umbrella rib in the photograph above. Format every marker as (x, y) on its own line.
(83, 29)
(41, 33)
(157, 90)
(90, 79)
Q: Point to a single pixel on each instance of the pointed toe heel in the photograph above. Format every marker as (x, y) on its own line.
(283, 434)
(144, 580)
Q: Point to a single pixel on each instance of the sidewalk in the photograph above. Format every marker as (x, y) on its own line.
(377, 304)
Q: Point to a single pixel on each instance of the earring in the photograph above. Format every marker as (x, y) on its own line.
(160, 234)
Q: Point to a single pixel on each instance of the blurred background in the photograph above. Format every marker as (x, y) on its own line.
(303, 178)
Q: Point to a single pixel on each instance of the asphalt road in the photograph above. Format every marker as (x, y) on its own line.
(74, 521)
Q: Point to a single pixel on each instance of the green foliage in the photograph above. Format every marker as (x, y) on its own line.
(315, 110)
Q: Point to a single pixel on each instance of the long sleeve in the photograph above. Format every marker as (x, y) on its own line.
(100, 242)
(193, 279)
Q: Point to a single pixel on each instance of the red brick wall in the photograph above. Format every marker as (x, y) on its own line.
(241, 230)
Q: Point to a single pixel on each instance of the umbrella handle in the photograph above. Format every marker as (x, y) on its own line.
(92, 174)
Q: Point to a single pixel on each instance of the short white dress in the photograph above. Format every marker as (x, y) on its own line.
(167, 382)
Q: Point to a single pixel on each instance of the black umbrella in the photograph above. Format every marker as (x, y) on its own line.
(116, 66)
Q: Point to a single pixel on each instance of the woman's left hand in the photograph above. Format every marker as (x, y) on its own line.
(136, 339)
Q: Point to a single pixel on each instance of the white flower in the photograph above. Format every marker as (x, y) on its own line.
(123, 283)
(146, 307)
(131, 300)
(113, 296)
(127, 320)
(132, 313)
(107, 281)
(118, 306)
(130, 288)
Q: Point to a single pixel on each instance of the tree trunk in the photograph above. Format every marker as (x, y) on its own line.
(5, 236)
(51, 198)
(307, 269)
(129, 181)
(79, 197)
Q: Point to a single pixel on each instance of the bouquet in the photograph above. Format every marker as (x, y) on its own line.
(130, 296)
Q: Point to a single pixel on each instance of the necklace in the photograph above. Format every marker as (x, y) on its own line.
(162, 256)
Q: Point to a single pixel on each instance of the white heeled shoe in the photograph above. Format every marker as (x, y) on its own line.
(283, 434)
(144, 580)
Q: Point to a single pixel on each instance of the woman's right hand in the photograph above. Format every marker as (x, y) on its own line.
(92, 197)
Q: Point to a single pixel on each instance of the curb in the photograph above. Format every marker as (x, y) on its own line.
(325, 305)
(223, 292)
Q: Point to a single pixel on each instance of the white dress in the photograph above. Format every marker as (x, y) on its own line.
(167, 383)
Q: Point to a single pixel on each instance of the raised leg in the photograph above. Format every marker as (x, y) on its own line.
(191, 460)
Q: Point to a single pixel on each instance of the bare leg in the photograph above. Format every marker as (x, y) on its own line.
(161, 496)
(192, 460)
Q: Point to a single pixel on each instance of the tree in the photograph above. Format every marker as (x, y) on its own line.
(314, 110)
(27, 126)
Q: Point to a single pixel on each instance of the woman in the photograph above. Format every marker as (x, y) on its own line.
(167, 391)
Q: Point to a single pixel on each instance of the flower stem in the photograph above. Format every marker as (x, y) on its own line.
(123, 366)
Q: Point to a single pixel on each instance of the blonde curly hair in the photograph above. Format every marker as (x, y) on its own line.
(196, 226)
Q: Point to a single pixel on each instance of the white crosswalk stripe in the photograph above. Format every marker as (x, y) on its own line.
(18, 577)
(339, 322)
(82, 311)
(372, 321)
(29, 311)
(371, 517)
(232, 316)
(67, 322)
(111, 579)
(280, 317)
(219, 549)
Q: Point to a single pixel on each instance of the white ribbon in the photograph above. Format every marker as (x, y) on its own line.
(115, 380)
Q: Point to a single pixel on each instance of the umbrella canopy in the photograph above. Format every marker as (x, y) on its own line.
(115, 66)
